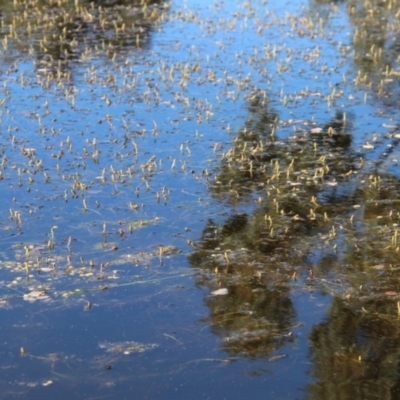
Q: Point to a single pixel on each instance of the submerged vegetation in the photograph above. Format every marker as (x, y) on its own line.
(250, 148)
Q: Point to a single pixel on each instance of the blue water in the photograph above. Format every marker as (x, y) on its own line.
(160, 141)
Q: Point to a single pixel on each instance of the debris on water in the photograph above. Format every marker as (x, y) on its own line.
(106, 245)
(36, 295)
(145, 257)
(127, 347)
(219, 292)
(378, 266)
(277, 357)
(368, 146)
(133, 225)
(46, 269)
(33, 384)
(316, 130)
(168, 251)
(74, 292)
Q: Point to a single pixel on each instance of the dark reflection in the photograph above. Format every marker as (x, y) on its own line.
(252, 320)
(57, 32)
(372, 38)
(375, 43)
(243, 166)
(315, 215)
(257, 159)
(355, 352)
(298, 185)
(255, 317)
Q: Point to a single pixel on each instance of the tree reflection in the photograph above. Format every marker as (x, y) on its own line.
(252, 320)
(355, 351)
(320, 217)
(56, 32)
(298, 185)
(375, 43)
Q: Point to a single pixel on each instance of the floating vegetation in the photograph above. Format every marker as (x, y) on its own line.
(36, 295)
(127, 348)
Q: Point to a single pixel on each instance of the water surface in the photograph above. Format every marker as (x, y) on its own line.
(199, 199)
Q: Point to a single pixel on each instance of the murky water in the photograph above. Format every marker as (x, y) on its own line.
(199, 199)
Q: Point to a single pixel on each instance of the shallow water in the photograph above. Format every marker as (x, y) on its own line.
(199, 199)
